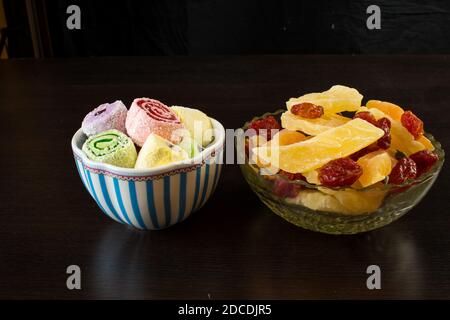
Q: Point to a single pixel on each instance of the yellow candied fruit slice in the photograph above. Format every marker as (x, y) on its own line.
(357, 201)
(312, 127)
(312, 176)
(336, 99)
(376, 166)
(401, 139)
(426, 143)
(313, 153)
(316, 200)
(390, 109)
(285, 137)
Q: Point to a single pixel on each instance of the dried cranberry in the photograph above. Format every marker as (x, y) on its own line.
(292, 176)
(285, 189)
(267, 124)
(404, 169)
(385, 141)
(339, 173)
(307, 110)
(366, 115)
(424, 160)
(412, 123)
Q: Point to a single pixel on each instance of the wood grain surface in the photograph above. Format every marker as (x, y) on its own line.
(234, 247)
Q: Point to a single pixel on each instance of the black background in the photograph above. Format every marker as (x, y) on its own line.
(204, 27)
(234, 247)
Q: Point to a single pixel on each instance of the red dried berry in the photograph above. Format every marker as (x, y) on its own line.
(285, 189)
(292, 176)
(412, 123)
(267, 124)
(404, 169)
(366, 115)
(385, 141)
(307, 110)
(424, 160)
(339, 173)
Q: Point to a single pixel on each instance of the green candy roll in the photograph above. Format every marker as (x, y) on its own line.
(113, 147)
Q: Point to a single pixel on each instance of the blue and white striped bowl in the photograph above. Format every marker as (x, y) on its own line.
(156, 198)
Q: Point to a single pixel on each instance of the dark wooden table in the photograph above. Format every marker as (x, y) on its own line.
(234, 247)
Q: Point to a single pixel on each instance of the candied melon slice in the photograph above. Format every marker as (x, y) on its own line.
(313, 153)
(312, 127)
(426, 143)
(316, 200)
(376, 166)
(401, 139)
(357, 201)
(286, 136)
(312, 176)
(336, 99)
(346, 201)
(390, 109)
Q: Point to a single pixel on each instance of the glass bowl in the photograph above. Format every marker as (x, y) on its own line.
(340, 210)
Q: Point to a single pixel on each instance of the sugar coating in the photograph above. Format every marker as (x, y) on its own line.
(139, 124)
(116, 149)
(105, 117)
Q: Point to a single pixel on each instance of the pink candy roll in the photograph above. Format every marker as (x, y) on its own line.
(148, 116)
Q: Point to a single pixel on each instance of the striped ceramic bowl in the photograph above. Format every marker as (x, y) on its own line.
(156, 198)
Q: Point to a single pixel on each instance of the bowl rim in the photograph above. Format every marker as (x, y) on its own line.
(377, 186)
(197, 161)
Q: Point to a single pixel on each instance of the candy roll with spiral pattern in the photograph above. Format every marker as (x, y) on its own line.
(148, 116)
(112, 147)
(105, 117)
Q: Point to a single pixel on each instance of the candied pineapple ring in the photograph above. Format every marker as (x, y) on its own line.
(336, 99)
(312, 127)
(313, 153)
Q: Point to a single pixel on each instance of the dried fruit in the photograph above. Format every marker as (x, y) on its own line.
(292, 176)
(366, 115)
(401, 139)
(371, 148)
(266, 126)
(285, 189)
(404, 169)
(307, 110)
(312, 126)
(336, 99)
(315, 152)
(385, 141)
(390, 109)
(424, 161)
(285, 137)
(413, 124)
(375, 167)
(339, 173)
(384, 124)
(426, 143)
